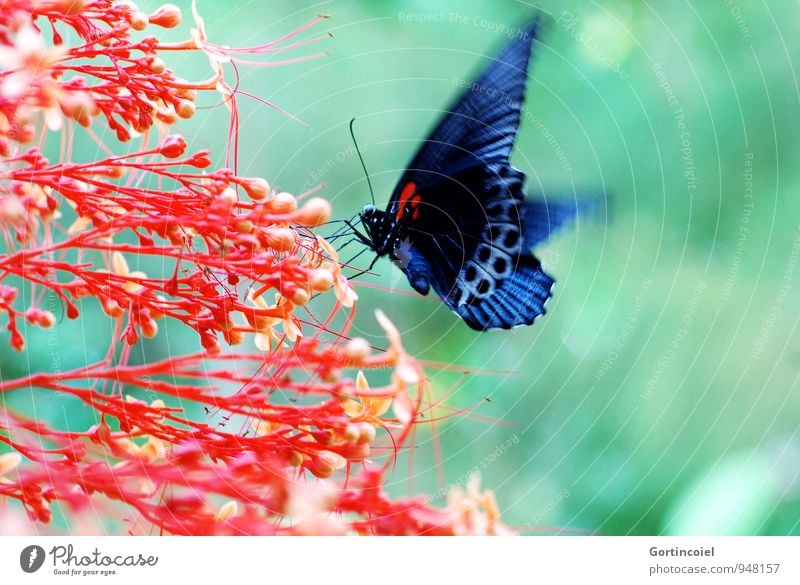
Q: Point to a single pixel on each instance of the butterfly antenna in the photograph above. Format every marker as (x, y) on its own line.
(361, 158)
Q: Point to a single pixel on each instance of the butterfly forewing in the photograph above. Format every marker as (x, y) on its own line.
(481, 126)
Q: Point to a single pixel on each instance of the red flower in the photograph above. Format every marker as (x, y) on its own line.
(252, 462)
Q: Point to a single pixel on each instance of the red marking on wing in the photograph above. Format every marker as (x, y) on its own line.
(414, 204)
(405, 195)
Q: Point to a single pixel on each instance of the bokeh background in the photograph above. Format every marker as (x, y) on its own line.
(659, 395)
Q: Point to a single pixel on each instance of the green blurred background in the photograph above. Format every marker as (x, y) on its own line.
(659, 395)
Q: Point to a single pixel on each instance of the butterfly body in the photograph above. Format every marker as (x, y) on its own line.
(458, 220)
(387, 236)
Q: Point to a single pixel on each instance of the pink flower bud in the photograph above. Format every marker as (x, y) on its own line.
(320, 279)
(17, 340)
(300, 297)
(282, 239)
(366, 432)
(166, 16)
(256, 187)
(185, 109)
(173, 146)
(357, 349)
(40, 317)
(148, 327)
(200, 160)
(324, 463)
(316, 211)
(167, 115)
(283, 203)
(157, 65)
(139, 21)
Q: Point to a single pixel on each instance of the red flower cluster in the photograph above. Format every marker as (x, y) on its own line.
(274, 441)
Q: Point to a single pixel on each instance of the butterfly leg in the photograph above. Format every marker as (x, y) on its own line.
(364, 239)
(368, 269)
(347, 243)
(343, 230)
(359, 253)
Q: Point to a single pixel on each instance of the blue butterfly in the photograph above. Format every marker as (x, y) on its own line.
(458, 221)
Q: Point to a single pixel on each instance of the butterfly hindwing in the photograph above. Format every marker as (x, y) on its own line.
(518, 300)
(478, 254)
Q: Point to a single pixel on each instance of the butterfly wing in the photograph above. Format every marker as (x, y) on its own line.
(480, 127)
(518, 300)
(477, 257)
(466, 228)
